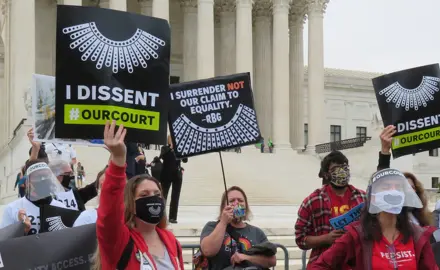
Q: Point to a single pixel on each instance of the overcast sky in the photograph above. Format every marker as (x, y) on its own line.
(380, 35)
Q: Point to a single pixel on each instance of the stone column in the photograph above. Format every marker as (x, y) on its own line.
(205, 39)
(161, 9)
(227, 37)
(280, 79)
(243, 41)
(73, 2)
(315, 11)
(189, 8)
(296, 20)
(263, 66)
(217, 37)
(118, 5)
(146, 7)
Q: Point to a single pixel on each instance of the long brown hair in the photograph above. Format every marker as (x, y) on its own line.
(224, 201)
(129, 207)
(423, 215)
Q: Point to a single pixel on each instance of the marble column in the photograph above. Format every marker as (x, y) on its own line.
(243, 40)
(161, 9)
(73, 2)
(280, 79)
(118, 5)
(315, 12)
(296, 21)
(146, 7)
(189, 8)
(263, 66)
(205, 39)
(227, 37)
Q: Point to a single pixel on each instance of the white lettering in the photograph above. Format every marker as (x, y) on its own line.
(418, 123)
(83, 92)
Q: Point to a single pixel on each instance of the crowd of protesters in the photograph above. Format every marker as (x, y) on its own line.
(395, 229)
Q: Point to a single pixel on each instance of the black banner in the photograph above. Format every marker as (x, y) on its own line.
(410, 100)
(111, 65)
(212, 115)
(12, 231)
(71, 248)
(56, 218)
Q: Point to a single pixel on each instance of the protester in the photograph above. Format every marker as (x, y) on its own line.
(141, 163)
(73, 198)
(171, 175)
(384, 238)
(21, 182)
(81, 174)
(156, 167)
(436, 214)
(37, 150)
(40, 187)
(90, 216)
(313, 229)
(420, 216)
(132, 154)
(131, 225)
(224, 241)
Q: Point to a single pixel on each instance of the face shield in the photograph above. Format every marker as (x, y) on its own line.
(389, 191)
(41, 182)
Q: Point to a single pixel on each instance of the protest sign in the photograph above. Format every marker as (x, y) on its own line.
(339, 222)
(55, 218)
(43, 112)
(12, 231)
(71, 248)
(111, 69)
(212, 115)
(409, 99)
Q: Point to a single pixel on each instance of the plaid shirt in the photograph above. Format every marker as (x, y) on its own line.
(314, 216)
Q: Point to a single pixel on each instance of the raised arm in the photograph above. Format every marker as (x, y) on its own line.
(386, 138)
(35, 145)
(112, 233)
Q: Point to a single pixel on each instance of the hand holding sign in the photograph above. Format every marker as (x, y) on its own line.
(333, 235)
(386, 138)
(115, 142)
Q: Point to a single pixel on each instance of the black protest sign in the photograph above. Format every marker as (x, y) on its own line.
(56, 218)
(410, 100)
(212, 115)
(71, 248)
(111, 65)
(12, 231)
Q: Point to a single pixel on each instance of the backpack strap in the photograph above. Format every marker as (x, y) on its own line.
(126, 254)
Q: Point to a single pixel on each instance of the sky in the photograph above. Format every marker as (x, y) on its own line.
(380, 35)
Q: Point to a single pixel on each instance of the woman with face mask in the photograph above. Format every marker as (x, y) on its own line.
(384, 238)
(224, 241)
(131, 225)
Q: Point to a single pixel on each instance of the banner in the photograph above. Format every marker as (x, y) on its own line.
(212, 115)
(12, 231)
(71, 248)
(43, 112)
(111, 69)
(56, 218)
(338, 223)
(409, 99)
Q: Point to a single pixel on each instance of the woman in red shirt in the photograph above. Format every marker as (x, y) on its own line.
(384, 238)
(131, 225)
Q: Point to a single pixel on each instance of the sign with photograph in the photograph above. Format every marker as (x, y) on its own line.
(43, 112)
(72, 248)
(212, 115)
(111, 69)
(410, 100)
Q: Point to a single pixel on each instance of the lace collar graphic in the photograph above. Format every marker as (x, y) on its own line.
(412, 98)
(55, 224)
(118, 55)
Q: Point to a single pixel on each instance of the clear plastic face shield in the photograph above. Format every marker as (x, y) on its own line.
(389, 191)
(41, 182)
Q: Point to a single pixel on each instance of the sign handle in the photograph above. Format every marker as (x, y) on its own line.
(224, 178)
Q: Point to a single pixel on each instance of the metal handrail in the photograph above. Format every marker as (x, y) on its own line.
(341, 145)
(193, 247)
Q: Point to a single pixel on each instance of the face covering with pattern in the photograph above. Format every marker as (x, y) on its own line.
(239, 212)
(340, 176)
(390, 201)
(150, 209)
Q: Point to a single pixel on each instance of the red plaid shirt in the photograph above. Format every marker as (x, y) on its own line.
(314, 216)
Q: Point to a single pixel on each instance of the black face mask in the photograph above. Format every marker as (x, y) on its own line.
(150, 209)
(66, 180)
